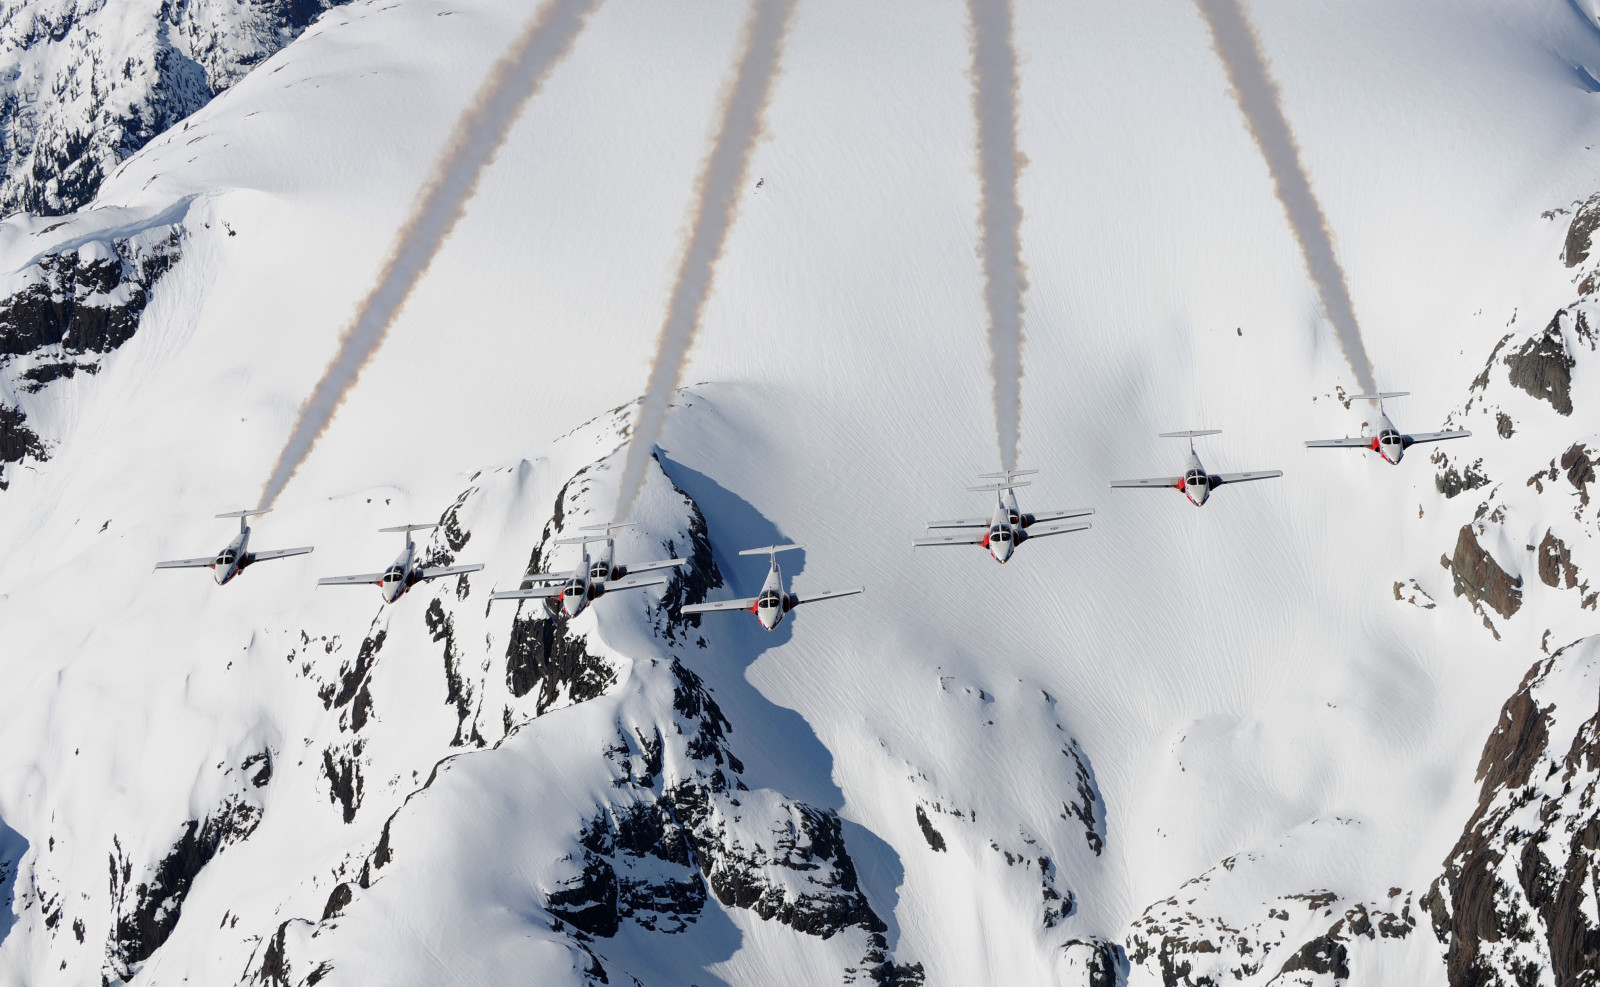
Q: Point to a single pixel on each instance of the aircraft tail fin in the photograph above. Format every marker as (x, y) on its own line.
(408, 528)
(1006, 476)
(262, 510)
(1195, 433)
(609, 526)
(997, 487)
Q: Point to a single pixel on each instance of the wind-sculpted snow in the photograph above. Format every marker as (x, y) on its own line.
(1261, 103)
(995, 90)
(718, 190)
(515, 79)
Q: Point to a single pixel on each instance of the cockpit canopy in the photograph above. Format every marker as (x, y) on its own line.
(1195, 478)
(392, 576)
(226, 558)
(769, 601)
(599, 570)
(573, 588)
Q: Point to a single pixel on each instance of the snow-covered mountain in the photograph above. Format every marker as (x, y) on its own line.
(86, 83)
(1337, 728)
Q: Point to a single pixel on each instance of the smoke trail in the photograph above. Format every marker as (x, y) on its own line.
(1236, 44)
(519, 74)
(716, 204)
(994, 103)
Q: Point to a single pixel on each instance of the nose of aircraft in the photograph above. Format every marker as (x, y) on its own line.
(1198, 491)
(769, 616)
(1001, 549)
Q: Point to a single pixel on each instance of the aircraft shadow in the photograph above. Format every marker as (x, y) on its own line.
(12, 847)
(784, 753)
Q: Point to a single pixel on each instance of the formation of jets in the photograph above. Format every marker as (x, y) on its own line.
(596, 575)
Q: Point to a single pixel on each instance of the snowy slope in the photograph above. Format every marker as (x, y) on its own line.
(982, 766)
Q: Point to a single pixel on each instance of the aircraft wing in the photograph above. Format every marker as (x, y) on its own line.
(1436, 436)
(964, 522)
(1040, 530)
(1059, 515)
(1154, 483)
(546, 577)
(537, 593)
(187, 563)
(1218, 479)
(436, 572)
(719, 605)
(965, 538)
(365, 579)
(663, 564)
(278, 553)
(612, 587)
(827, 594)
(1355, 443)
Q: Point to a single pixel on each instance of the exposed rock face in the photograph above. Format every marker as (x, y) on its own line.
(1543, 367)
(88, 83)
(146, 913)
(1176, 943)
(1555, 563)
(1479, 577)
(1580, 235)
(1517, 900)
(60, 315)
(1450, 482)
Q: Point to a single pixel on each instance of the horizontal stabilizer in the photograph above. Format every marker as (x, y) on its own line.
(1189, 435)
(720, 605)
(436, 572)
(1378, 397)
(278, 553)
(1006, 474)
(409, 527)
(262, 510)
(365, 579)
(609, 526)
(187, 563)
(996, 487)
(769, 550)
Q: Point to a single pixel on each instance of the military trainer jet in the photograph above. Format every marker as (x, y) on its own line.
(236, 557)
(591, 580)
(1195, 482)
(1390, 442)
(404, 572)
(772, 603)
(1007, 527)
(604, 566)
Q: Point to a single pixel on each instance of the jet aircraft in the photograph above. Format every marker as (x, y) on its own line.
(1390, 442)
(404, 572)
(236, 556)
(592, 579)
(772, 603)
(1195, 482)
(1007, 527)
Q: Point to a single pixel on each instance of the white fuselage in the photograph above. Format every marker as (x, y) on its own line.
(1004, 527)
(772, 602)
(1388, 443)
(400, 574)
(231, 560)
(1196, 482)
(578, 588)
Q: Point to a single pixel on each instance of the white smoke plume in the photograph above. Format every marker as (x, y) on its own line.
(1258, 97)
(440, 204)
(716, 205)
(994, 103)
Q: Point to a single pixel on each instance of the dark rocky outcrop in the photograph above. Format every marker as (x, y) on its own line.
(146, 913)
(342, 769)
(1451, 482)
(17, 441)
(1580, 234)
(543, 655)
(1543, 367)
(1508, 906)
(1555, 563)
(1479, 577)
